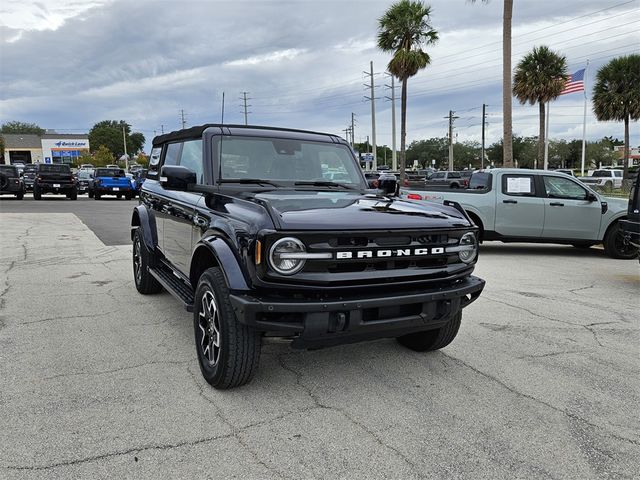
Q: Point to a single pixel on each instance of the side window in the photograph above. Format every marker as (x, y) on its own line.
(563, 188)
(192, 158)
(617, 174)
(454, 174)
(438, 175)
(172, 153)
(518, 185)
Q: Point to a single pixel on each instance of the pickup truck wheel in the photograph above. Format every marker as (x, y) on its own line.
(74, 194)
(142, 260)
(20, 196)
(37, 195)
(90, 193)
(96, 196)
(454, 185)
(432, 339)
(228, 351)
(127, 196)
(608, 185)
(614, 244)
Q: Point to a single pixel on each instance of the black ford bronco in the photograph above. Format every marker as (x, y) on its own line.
(264, 231)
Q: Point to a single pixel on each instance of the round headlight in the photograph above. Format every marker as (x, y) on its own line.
(282, 256)
(468, 254)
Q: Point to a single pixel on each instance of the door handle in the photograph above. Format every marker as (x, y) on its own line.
(556, 204)
(509, 201)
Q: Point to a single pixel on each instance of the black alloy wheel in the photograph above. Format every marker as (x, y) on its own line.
(142, 260)
(615, 245)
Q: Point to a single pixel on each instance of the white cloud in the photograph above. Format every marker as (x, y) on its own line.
(271, 57)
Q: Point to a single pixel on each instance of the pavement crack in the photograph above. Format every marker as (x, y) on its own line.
(550, 354)
(566, 413)
(524, 309)
(574, 290)
(376, 437)
(66, 317)
(95, 458)
(114, 370)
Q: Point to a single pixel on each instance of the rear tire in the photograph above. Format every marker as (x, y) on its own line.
(432, 339)
(614, 245)
(37, 195)
(119, 196)
(74, 194)
(127, 196)
(90, 193)
(228, 351)
(142, 260)
(96, 196)
(19, 196)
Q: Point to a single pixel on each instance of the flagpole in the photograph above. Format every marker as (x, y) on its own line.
(584, 120)
(546, 141)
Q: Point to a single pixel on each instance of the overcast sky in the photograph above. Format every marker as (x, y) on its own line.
(68, 64)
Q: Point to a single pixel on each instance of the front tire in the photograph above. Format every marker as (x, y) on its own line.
(614, 245)
(19, 196)
(142, 260)
(37, 195)
(228, 351)
(432, 339)
(96, 196)
(74, 194)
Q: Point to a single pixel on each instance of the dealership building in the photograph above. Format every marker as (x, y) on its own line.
(48, 148)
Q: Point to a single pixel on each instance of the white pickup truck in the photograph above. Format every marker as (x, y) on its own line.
(518, 205)
(604, 178)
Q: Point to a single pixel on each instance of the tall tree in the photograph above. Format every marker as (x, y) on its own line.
(109, 134)
(540, 77)
(616, 95)
(21, 127)
(405, 30)
(507, 121)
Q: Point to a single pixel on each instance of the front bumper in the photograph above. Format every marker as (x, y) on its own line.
(316, 323)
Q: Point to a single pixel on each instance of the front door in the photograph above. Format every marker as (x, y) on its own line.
(568, 214)
(519, 209)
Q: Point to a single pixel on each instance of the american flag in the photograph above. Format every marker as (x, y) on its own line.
(575, 83)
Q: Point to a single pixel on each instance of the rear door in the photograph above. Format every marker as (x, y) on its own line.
(519, 208)
(568, 214)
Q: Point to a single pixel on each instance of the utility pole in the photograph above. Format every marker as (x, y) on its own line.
(373, 115)
(246, 112)
(353, 130)
(394, 160)
(182, 119)
(451, 118)
(162, 129)
(484, 118)
(222, 117)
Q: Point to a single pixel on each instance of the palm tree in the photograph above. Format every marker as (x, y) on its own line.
(507, 122)
(616, 95)
(540, 77)
(405, 30)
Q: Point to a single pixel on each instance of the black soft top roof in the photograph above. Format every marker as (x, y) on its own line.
(197, 131)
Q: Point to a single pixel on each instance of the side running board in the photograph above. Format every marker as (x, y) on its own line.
(174, 285)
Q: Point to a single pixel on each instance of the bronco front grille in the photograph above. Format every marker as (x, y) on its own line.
(374, 257)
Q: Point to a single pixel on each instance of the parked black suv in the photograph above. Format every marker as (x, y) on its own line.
(243, 225)
(10, 182)
(630, 226)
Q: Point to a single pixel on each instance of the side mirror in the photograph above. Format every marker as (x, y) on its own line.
(175, 177)
(388, 184)
(591, 197)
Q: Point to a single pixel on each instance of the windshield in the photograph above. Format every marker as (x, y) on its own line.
(287, 161)
(84, 174)
(55, 168)
(30, 168)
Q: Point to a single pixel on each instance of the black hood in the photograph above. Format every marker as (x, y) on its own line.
(330, 210)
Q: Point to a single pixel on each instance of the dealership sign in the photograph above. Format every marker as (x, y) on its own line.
(75, 143)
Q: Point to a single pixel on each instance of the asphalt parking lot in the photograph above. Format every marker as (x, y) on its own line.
(97, 381)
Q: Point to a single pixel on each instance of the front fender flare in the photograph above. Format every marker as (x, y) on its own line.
(226, 260)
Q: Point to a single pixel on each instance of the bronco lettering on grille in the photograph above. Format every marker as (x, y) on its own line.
(399, 252)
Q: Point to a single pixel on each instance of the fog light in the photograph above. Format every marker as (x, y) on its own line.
(469, 248)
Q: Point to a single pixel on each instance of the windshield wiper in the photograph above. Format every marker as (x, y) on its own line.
(326, 184)
(255, 181)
